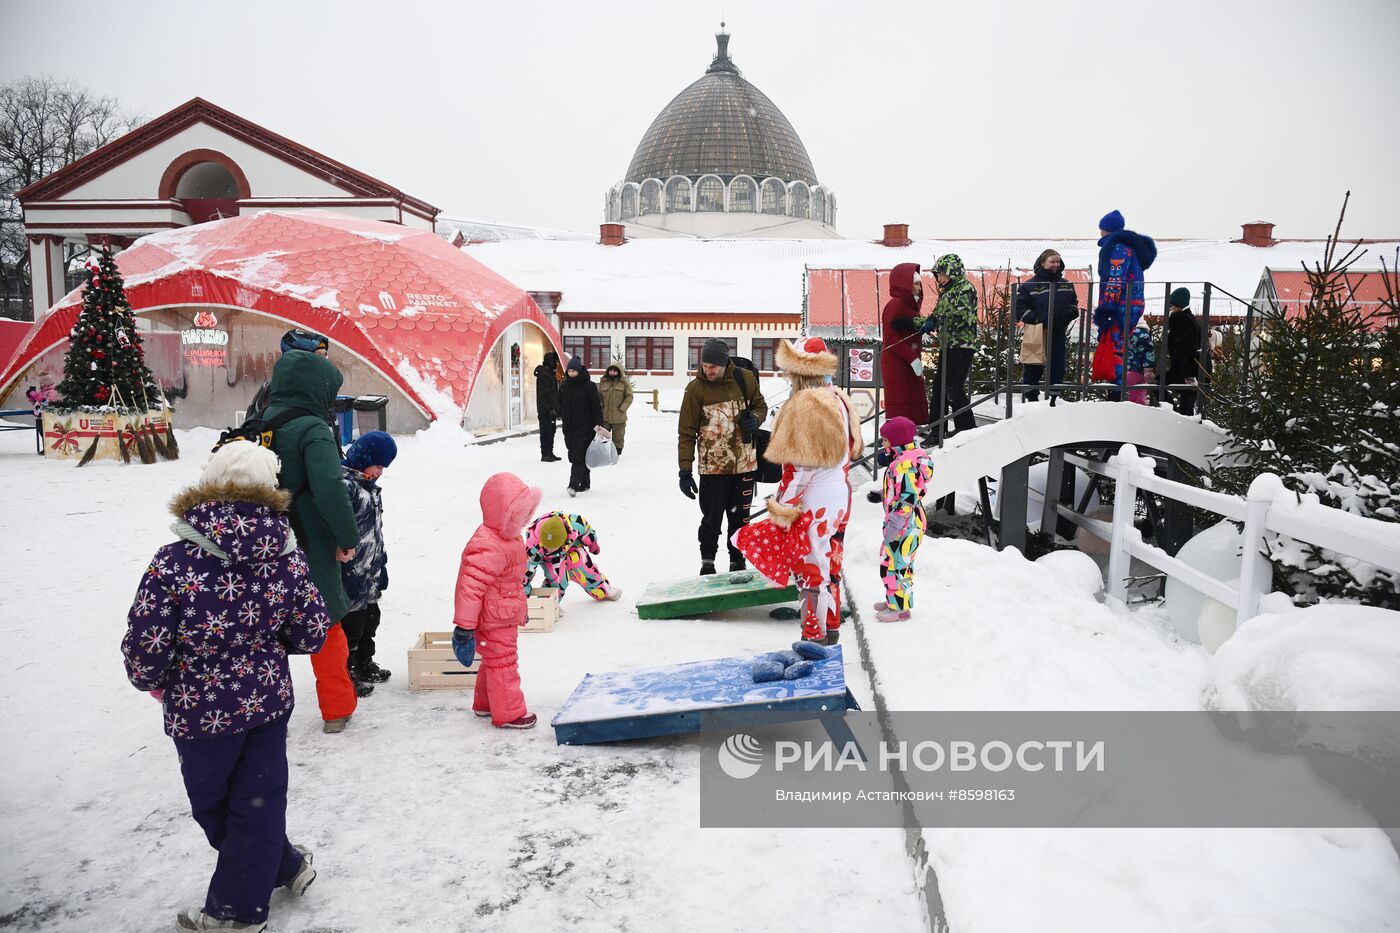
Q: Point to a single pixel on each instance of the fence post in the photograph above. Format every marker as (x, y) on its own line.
(1124, 507)
(1256, 573)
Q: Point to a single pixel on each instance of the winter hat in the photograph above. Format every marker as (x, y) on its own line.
(1180, 298)
(806, 356)
(295, 339)
(1112, 222)
(898, 431)
(553, 533)
(715, 352)
(242, 463)
(373, 449)
(575, 363)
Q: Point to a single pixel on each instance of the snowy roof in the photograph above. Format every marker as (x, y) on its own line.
(765, 276)
(489, 231)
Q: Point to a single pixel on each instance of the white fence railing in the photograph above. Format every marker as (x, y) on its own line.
(1268, 508)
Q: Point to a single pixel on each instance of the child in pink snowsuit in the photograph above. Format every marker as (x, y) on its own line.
(491, 603)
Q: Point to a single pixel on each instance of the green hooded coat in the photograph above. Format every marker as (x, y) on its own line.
(956, 311)
(322, 517)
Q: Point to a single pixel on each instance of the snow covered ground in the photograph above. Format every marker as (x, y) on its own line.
(424, 818)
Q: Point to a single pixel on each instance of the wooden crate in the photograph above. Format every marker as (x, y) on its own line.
(544, 609)
(433, 666)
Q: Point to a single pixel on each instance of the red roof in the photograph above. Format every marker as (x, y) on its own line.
(854, 298)
(1364, 289)
(425, 315)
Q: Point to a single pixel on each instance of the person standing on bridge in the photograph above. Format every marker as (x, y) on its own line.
(1183, 350)
(954, 318)
(1124, 257)
(1049, 300)
(901, 365)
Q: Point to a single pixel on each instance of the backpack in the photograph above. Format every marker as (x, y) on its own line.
(259, 430)
(767, 472)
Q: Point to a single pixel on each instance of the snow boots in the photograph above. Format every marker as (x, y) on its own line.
(195, 920)
(305, 874)
(736, 564)
(892, 615)
(707, 567)
(524, 722)
(333, 726)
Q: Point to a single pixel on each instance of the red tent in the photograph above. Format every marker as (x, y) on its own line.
(421, 313)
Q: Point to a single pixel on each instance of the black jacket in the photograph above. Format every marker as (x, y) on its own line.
(1183, 346)
(547, 386)
(1033, 300)
(580, 407)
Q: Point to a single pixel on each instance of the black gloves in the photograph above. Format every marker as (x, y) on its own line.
(930, 325)
(748, 424)
(688, 483)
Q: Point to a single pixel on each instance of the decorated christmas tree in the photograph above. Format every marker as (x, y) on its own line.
(106, 365)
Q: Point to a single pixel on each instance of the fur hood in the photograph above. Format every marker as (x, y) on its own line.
(805, 362)
(808, 431)
(279, 500)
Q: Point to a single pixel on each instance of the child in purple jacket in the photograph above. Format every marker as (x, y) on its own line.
(214, 618)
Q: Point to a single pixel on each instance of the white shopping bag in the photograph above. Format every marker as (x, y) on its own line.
(600, 453)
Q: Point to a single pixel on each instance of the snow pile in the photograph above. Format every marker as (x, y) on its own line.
(1075, 571)
(1326, 657)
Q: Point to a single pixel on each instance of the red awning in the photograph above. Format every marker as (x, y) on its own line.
(425, 315)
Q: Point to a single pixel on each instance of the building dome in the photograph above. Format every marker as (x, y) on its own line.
(721, 160)
(721, 125)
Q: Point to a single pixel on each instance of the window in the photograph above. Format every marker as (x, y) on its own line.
(678, 195)
(819, 205)
(709, 194)
(653, 353)
(774, 197)
(765, 354)
(651, 197)
(798, 202)
(741, 195)
(698, 343)
(596, 352)
(629, 202)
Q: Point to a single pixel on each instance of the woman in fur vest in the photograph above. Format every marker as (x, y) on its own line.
(815, 438)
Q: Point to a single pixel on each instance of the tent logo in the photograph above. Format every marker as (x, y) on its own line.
(205, 319)
(245, 298)
(386, 301)
(740, 756)
(196, 290)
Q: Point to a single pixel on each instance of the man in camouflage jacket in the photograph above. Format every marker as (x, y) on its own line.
(954, 319)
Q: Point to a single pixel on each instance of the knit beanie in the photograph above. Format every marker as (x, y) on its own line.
(715, 352)
(898, 431)
(242, 463)
(1180, 298)
(1112, 222)
(372, 449)
(553, 533)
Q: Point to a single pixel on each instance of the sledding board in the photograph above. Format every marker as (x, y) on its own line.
(680, 698)
(714, 593)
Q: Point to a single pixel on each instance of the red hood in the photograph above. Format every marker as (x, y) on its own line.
(902, 281)
(507, 504)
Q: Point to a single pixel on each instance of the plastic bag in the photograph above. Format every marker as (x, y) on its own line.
(600, 453)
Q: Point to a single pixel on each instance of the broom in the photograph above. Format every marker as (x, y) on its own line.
(152, 435)
(122, 447)
(91, 452)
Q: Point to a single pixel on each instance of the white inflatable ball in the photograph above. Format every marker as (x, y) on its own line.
(1193, 615)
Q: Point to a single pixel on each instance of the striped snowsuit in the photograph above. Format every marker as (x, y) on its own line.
(905, 521)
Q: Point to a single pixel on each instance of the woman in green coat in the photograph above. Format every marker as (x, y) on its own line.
(322, 518)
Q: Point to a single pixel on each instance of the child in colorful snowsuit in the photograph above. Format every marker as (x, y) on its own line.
(490, 600)
(1141, 362)
(905, 481)
(208, 635)
(366, 575)
(563, 545)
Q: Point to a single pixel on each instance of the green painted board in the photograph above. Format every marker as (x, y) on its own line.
(714, 593)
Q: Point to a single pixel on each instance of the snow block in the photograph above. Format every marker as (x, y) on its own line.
(765, 671)
(810, 650)
(785, 658)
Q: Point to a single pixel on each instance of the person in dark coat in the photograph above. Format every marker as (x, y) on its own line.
(1049, 300)
(1124, 257)
(581, 414)
(365, 576)
(901, 365)
(547, 403)
(208, 634)
(1183, 350)
(321, 515)
(294, 339)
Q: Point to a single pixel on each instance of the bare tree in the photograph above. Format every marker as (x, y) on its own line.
(44, 125)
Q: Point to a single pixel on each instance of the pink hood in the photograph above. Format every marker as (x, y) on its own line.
(507, 504)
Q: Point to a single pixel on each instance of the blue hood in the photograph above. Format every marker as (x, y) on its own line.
(1142, 245)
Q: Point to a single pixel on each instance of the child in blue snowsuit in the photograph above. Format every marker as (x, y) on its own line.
(366, 575)
(906, 479)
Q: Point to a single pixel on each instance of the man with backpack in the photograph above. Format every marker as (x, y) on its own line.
(301, 393)
(719, 418)
(294, 339)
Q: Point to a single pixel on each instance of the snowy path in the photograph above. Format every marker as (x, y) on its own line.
(422, 817)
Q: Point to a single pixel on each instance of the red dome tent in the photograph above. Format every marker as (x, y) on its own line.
(419, 313)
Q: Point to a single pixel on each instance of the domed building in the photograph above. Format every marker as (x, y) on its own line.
(721, 160)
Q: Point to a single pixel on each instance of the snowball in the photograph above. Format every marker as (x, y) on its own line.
(1074, 571)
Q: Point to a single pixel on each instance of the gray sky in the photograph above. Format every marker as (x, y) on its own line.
(986, 118)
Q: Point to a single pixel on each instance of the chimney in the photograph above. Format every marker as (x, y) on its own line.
(611, 234)
(1259, 233)
(896, 235)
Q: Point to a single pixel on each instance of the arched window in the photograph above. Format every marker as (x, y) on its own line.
(819, 205)
(677, 194)
(742, 193)
(651, 197)
(774, 197)
(798, 200)
(629, 202)
(709, 194)
(207, 180)
(615, 205)
(831, 209)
